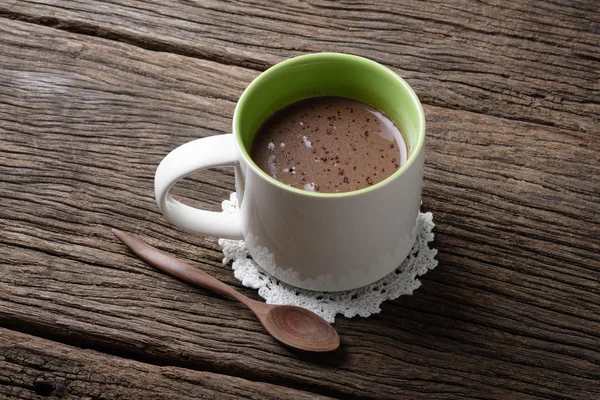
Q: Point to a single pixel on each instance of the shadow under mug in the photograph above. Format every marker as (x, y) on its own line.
(312, 240)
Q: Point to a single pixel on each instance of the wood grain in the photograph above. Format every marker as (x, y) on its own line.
(512, 310)
(525, 60)
(35, 368)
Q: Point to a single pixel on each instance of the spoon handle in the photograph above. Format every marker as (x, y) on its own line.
(178, 268)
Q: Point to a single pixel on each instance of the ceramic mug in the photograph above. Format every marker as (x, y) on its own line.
(312, 240)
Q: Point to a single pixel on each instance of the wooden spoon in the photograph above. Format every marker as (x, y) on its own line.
(293, 326)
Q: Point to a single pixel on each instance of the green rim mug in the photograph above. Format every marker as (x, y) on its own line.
(312, 240)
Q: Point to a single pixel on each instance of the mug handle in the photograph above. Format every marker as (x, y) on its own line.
(213, 151)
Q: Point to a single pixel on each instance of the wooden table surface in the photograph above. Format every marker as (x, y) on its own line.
(94, 94)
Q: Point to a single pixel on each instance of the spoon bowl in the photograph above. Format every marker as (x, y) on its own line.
(301, 329)
(293, 326)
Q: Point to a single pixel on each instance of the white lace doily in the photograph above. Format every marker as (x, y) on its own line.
(364, 301)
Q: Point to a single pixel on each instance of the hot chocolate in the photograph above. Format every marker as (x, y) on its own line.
(329, 144)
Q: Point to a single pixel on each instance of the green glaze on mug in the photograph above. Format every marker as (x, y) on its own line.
(330, 74)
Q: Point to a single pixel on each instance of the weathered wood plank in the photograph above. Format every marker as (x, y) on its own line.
(512, 310)
(526, 60)
(35, 368)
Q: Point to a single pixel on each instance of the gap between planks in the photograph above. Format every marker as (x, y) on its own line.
(152, 44)
(32, 366)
